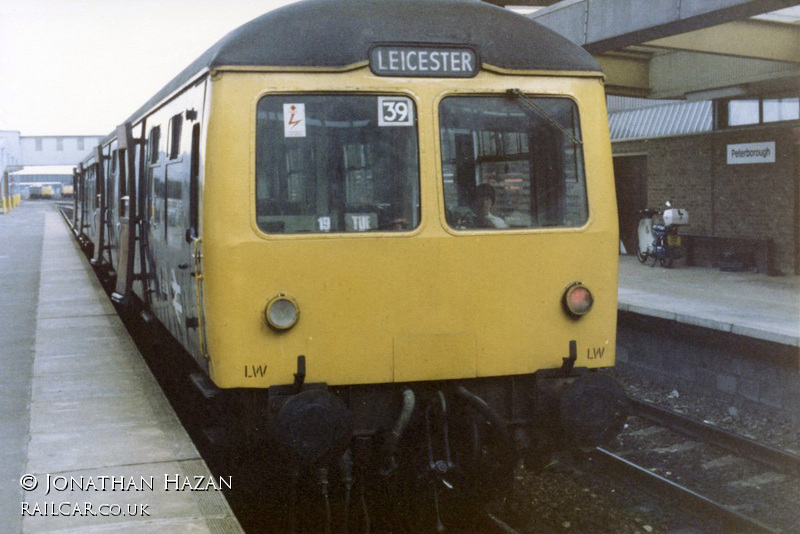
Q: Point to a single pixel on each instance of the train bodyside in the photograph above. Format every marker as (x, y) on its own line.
(137, 211)
(101, 204)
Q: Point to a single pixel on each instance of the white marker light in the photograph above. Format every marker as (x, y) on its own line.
(282, 312)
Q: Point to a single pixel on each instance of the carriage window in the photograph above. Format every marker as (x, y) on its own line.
(174, 142)
(91, 188)
(174, 201)
(512, 162)
(336, 163)
(194, 185)
(122, 184)
(154, 144)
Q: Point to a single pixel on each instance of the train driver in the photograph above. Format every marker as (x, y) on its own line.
(484, 198)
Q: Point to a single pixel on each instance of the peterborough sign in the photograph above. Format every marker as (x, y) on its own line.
(751, 153)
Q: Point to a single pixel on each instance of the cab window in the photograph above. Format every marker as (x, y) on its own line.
(336, 163)
(512, 162)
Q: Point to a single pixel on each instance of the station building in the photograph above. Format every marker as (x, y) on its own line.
(704, 111)
(10, 150)
(56, 150)
(27, 163)
(732, 163)
(10, 160)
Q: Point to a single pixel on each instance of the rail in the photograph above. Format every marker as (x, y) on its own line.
(683, 497)
(775, 458)
(704, 506)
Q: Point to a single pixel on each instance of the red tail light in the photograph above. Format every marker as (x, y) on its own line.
(578, 299)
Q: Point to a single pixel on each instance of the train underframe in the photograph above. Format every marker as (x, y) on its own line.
(422, 454)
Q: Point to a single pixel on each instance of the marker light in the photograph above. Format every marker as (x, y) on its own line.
(578, 299)
(281, 312)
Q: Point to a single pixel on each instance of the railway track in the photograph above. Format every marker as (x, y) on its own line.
(728, 480)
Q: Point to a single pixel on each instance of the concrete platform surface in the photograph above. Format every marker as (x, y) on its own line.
(746, 303)
(103, 451)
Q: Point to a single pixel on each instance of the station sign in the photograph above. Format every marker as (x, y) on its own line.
(423, 61)
(748, 153)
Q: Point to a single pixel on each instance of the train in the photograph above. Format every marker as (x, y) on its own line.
(43, 190)
(386, 233)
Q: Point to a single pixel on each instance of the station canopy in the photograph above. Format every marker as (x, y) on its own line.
(683, 49)
(43, 173)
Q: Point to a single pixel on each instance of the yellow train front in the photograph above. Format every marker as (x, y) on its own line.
(347, 255)
(405, 253)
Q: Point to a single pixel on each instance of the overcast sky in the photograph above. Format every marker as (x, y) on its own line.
(83, 66)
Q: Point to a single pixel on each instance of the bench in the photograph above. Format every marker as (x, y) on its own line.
(730, 253)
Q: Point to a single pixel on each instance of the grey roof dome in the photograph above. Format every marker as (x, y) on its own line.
(339, 33)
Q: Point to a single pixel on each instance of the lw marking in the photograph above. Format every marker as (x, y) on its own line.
(254, 371)
(595, 353)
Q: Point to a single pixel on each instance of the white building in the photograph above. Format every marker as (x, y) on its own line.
(34, 159)
(10, 154)
(56, 150)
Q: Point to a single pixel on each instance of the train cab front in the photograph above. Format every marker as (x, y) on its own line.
(418, 268)
(434, 256)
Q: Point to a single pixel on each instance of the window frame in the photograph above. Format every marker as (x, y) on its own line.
(578, 164)
(174, 138)
(723, 110)
(417, 186)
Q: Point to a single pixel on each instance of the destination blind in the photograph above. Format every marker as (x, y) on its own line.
(445, 62)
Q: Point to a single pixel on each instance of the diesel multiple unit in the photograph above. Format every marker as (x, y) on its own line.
(385, 231)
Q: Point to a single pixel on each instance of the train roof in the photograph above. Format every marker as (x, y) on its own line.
(340, 33)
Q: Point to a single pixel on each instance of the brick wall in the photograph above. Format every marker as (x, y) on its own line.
(752, 200)
(747, 372)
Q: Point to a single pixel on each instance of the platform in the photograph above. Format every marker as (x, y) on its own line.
(745, 303)
(90, 442)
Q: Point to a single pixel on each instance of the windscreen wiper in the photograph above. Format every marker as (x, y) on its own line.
(531, 103)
